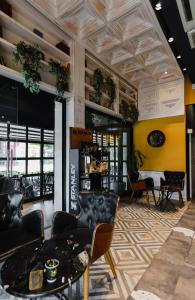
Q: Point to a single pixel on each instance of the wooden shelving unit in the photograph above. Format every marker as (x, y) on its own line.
(124, 91)
(31, 37)
(128, 94)
(7, 47)
(15, 75)
(89, 89)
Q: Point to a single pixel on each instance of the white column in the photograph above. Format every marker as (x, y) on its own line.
(75, 106)
(69, 123)
(79, 85)
(58, 157)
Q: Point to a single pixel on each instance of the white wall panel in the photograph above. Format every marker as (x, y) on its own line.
(162, 100)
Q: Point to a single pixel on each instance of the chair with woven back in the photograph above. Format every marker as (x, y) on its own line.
(97, 212)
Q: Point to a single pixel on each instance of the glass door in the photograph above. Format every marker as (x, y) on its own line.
(117, 144)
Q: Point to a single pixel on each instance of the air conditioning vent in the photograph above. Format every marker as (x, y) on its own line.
(191, 36)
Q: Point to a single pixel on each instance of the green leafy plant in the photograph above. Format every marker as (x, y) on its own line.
(129, 111)
(110, 88)
(137, 159)
(30, 58)
(133, 113)
(62, 77)
(98, 83)
(89, 120)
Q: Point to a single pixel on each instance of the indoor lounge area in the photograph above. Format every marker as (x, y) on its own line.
(97, 143)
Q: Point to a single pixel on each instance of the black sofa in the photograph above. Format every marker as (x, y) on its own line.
(17, 230)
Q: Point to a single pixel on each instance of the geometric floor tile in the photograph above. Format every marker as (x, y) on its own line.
(139, 234)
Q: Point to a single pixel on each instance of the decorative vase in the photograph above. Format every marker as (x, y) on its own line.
(63, 47)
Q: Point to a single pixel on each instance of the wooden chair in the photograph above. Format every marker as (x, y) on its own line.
(97, 212)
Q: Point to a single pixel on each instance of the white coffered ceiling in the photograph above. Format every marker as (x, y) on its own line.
(125, 34)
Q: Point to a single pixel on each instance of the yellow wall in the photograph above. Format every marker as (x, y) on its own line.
(189, 92)
(172, 155)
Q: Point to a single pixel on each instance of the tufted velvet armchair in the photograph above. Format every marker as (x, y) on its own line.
(97, 212)
(17, 230)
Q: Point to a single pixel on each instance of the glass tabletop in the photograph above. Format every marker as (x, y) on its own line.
(65, 248)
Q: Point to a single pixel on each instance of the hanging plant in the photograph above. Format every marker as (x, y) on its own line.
(30, 58)
(110, 88)
(133, 113)
(62, 77)
(98, 83)
(129, 111)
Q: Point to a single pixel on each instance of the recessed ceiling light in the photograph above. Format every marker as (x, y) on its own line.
(184, 69)
(171, 39)
(178, 56)
(166, 72)
(158, 6)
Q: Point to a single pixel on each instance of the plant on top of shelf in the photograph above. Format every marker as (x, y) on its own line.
(111, 88)
(62, 77)
(30, 58)
(129, 111)
(98, 83)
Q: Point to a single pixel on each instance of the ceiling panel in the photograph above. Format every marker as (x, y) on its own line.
(125, 34)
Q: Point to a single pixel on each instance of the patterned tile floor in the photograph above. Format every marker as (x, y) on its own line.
(138, 236)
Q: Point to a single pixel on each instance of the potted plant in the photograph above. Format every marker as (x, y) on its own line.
(133, 113)
(111, 89)
(98, 83)
(129, 111)
(137, 160)
(30, 58)
(62, 77)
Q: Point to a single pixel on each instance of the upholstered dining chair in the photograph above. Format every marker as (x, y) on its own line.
(97, 212)
(141, 186)
(17, 230)
(175, 181)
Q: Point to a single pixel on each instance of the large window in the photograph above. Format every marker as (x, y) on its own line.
(28, 152)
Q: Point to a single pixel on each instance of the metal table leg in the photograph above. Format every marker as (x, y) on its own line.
(61, 296)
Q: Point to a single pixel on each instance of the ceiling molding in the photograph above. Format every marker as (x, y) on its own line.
(124, 34)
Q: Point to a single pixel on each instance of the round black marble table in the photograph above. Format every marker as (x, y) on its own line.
(64, 247)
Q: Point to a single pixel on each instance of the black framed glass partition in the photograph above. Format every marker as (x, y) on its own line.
(26, 139)
(27, 153)
(114, 137)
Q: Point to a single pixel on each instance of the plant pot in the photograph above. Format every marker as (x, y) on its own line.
(6, 8)
(63, 47)
(37, 32)
(51, 267)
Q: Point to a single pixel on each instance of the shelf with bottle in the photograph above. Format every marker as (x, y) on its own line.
(29, 36)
